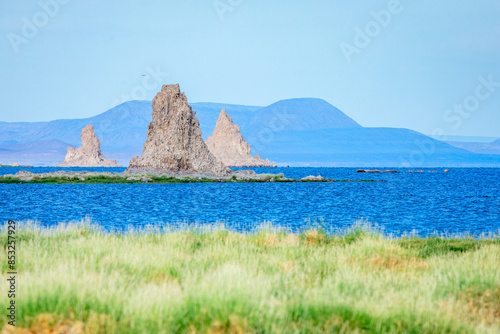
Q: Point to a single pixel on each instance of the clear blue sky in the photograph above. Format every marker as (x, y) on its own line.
(89, 55)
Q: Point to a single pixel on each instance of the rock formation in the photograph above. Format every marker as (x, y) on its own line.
(228, 145)
(89, 154)
(174, 142)
(313, 178)
(376, 171)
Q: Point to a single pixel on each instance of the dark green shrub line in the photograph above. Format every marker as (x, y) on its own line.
(104, 179)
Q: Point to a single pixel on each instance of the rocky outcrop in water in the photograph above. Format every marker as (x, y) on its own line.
(376, 171)
(174, 142)
(89, 154)
(228, 145)
(313, 178)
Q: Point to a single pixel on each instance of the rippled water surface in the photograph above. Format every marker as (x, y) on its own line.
(463, 200)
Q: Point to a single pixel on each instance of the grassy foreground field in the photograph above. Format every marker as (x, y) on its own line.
(76, 279)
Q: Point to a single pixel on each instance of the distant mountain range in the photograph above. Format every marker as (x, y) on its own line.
(478, 147)
(296, 132)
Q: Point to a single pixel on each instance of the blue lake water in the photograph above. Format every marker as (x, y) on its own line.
(463, 200)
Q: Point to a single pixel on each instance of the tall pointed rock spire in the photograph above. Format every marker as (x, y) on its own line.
(228, 145)
(174, 140)
(89, 154)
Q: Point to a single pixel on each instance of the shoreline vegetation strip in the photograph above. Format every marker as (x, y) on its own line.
(158, 179)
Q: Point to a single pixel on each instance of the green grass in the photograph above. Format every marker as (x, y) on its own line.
(76, 278)
(105, 178)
